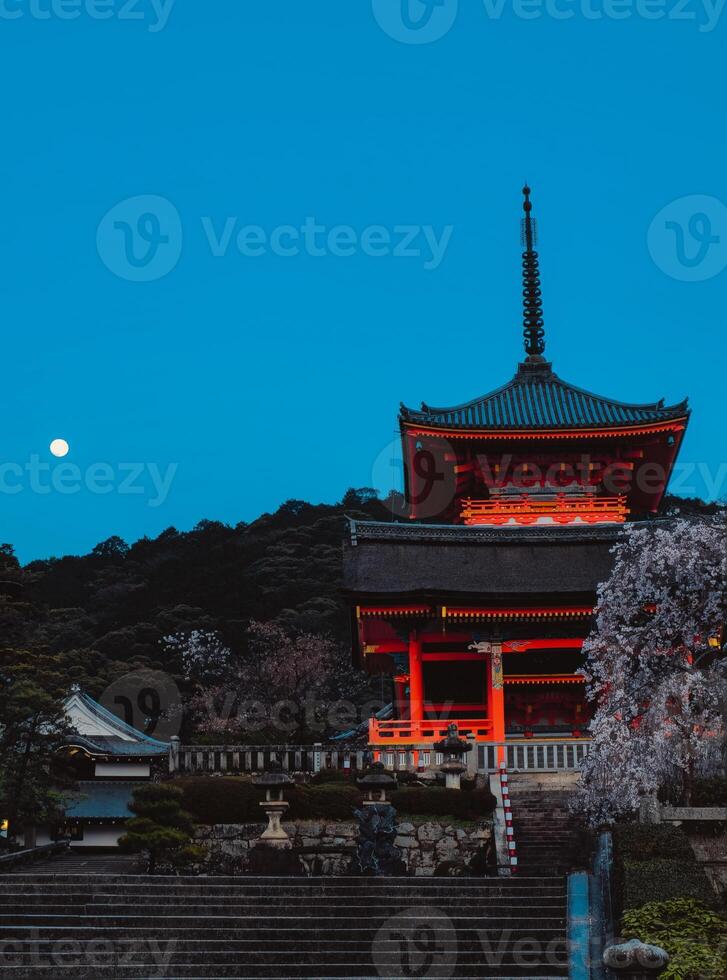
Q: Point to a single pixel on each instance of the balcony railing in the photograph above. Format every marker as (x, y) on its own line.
(562, 509)
(425, 732)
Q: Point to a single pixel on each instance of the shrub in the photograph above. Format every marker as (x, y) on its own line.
(694, 936)
(656, 860)
(229, 799)
(710, 792)
(642, 880)
(329, 801)
(643, 842)
(221, 800)
(439, 802)
(161, 829)
(235, 800)
(331, 776)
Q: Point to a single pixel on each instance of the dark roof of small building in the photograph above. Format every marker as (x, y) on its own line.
(536, 398)
(112, 746)
(102, 799)
(452, 561)
(129, 741)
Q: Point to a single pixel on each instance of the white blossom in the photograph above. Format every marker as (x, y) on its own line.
(657, 682)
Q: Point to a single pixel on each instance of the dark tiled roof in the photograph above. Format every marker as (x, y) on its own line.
(478, 534)
(109, 745)
(536, 398)
(385, 560)
(137, 744)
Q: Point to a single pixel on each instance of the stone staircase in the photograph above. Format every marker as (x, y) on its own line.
(549, 839)
(85, 925)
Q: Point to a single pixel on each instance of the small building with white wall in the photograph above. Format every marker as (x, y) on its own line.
(110, 758)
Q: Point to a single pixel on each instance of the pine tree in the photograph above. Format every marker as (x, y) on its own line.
(161, 829)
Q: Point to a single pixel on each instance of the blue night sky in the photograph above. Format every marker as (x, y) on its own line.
(263, 377)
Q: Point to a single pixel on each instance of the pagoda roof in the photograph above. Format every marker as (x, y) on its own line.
(536, 398)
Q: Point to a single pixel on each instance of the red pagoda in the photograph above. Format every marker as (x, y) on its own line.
(478, 605)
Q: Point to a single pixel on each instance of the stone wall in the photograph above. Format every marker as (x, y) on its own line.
(711, 852)
(427, 847)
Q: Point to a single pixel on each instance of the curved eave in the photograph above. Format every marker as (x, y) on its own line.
(121, 726)
(537, 399)
(676, 424)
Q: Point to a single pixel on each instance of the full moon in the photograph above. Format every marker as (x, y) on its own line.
(59, 447)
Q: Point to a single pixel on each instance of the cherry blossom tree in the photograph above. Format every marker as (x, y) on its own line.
(289, 685)
(654, 667)
(203, 654)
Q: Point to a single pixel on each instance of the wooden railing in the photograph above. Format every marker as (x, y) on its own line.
(562, 509)
(423, 732)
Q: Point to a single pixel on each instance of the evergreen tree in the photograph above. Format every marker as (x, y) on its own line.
(161, 829)
(32, 720)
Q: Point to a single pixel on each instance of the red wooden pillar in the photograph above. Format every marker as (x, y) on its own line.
(496, 695)
(400, 681)
(416, 678)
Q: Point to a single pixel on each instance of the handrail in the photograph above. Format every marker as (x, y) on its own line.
(29, 854)
(562, 509)
(602, 904)
(424, 731)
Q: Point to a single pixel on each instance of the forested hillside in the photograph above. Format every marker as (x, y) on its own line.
(109, 610)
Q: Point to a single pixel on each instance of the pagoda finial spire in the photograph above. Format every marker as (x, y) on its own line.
(532, 304)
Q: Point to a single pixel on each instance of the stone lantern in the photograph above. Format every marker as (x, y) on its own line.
(453, 748)
(636, 960)
(376, 853)
(274, 781)
(375, 784)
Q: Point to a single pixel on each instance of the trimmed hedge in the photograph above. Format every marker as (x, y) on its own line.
(436, 801)
(654, 862)
(644, 842)
(710, 792)
(234, 800)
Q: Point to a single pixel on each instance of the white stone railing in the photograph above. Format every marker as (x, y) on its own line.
(485, 757)
(255, 758)
(532, 756)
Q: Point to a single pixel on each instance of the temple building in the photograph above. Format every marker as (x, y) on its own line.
(108, 760)
(478, 605)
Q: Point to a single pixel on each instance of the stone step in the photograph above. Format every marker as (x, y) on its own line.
(9, 908)
(250, 884)
(520, 888)
(186, 927)
(506, 970)
(547, 948)
(264, 929)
